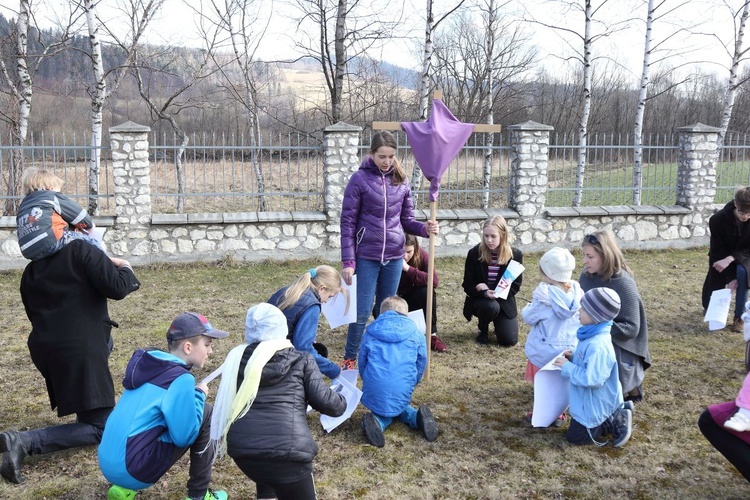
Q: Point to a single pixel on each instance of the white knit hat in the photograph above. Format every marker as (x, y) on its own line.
(265, 322)
(558, 264)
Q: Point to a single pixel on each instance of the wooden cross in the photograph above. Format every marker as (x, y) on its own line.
(478, 127)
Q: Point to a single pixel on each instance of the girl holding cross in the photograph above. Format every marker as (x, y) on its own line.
(377, 210)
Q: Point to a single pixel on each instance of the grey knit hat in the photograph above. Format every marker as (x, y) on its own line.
(601, 304)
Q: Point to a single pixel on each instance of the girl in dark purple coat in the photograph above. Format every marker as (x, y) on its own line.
(377, 209)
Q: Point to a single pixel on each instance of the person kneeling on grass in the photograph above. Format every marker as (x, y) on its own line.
(596, 404)
(161, 414)
(392, 360)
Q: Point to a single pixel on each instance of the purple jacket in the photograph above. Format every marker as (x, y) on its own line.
(374, 215)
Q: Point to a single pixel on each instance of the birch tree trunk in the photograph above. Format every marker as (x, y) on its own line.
(424, 90)
(732, 86)
(97, 104)
(340, 64)
(22, 94)
(490, 35)
(585, 108)
(642, 95)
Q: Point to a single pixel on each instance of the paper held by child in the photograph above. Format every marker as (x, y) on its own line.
(335, 310)
(418, 318)
(551, 394)
(718, 309)
(211, 376)
(512, 272)
(346, 384)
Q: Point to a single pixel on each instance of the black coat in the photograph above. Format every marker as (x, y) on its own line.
(729, 236)
(475, 272)
(275, 428)
(65, 297)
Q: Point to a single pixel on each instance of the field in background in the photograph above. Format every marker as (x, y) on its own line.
(485, 449)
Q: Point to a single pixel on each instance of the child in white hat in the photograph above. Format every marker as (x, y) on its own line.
(552, 313)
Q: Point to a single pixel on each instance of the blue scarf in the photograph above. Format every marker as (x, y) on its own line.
(588, 331)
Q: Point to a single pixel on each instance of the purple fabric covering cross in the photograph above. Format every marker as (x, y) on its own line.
(436, 142)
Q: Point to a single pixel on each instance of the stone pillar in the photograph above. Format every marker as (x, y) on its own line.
(527, 185)
(340, 160)
(132, 178)
(697, 156)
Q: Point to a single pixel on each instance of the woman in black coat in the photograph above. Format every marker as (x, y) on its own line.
(268, 384)
(65, 297)
(485, 265)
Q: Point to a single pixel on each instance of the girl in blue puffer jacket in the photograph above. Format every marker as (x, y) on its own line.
(377, 209)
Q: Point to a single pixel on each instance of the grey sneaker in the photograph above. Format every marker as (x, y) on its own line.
(426, 422)
(373, 431)
(628, 405)
(622, 427)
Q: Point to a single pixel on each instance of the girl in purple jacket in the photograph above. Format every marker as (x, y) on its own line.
(376, 211)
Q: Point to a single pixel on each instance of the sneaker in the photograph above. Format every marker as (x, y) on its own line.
(373, 431)
(628, 405)
(120, 493)
(739, 422)
(212, 495)
(348, 364)
(426, 423)
(622, 427)
(437, 344)
(483, 338)
(738, 326)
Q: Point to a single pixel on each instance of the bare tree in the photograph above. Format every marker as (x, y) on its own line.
(139, 14)
(20, 87)
(236, 27)
(738, 55)
(334, 32)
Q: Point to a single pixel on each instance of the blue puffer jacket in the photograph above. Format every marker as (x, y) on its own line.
(374, 215)
(392, 359)
(595, 391)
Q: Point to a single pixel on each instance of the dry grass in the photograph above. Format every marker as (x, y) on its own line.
(485, 449)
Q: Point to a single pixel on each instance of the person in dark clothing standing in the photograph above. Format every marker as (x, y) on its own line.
(65, 297)
(729, 253)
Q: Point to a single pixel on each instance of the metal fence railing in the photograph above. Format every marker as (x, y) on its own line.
(68, 157)
(608, 176)
(222, 171)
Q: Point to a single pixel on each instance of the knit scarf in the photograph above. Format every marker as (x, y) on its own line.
(233, 403)
(587, 331)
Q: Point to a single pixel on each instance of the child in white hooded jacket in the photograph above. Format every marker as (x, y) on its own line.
(552, 312)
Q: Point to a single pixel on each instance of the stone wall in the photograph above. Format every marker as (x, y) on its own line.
(144, 238)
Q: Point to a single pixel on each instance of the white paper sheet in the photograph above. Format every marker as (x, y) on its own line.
(418, 318)
(346, 384)
(335, 310)
(551, 394)
(97, 233)
(212, 375)
(718, 309)
(512, 272)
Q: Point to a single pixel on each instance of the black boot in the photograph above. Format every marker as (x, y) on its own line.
(14, 453)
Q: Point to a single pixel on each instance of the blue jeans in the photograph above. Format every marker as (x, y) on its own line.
(375, 281)
(408, 416)
(741, 297)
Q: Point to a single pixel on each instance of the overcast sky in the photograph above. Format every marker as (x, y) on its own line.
(622, 19)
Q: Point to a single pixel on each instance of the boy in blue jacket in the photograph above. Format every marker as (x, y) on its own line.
(596, 404)
(161, 414)
(392, 360)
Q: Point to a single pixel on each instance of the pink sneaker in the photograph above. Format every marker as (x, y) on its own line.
(348, 364)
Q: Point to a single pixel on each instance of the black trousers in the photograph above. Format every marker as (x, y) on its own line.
(716, 281)
(506, 329)
(86, 431)
(733, 448)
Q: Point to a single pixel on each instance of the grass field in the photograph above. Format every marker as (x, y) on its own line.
(485, 448)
